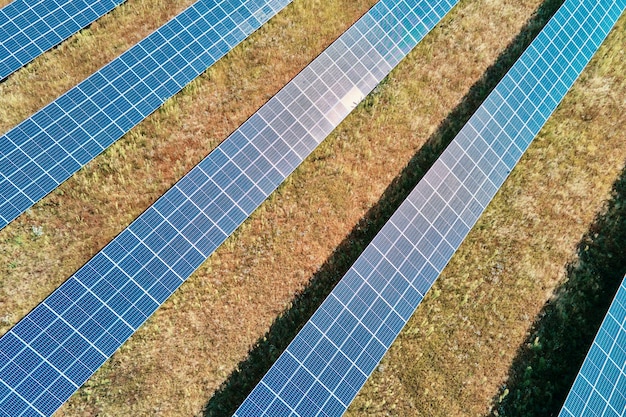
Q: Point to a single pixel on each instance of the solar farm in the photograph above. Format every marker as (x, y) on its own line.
(414, 208)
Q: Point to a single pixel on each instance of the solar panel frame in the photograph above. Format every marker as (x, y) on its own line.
(47, 148)
(600, 386)
(29, 28)
(46, 356)
(329, 360)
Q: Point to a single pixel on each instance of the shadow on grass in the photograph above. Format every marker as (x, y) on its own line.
(547, 363)
(249, 372)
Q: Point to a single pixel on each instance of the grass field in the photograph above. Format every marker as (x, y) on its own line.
(502, 329)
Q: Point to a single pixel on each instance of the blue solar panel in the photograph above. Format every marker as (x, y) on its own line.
(329, 360)
(600, 386)
(50, 146)
(56, 347)
(28, 28)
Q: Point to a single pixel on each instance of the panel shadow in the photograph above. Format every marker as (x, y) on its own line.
(548, 361)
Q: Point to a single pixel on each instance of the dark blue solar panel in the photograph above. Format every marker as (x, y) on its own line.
(329, 360)
(57, 346)
(600, 386)
(50, 146)
(28, 28)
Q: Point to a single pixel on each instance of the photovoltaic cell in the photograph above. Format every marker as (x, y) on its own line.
(52, 351)
(50, 146)
(28, 28)
(329, 360)
(600, 387)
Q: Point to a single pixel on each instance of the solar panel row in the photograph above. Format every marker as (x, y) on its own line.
(600, 386)
(329, 360)
(50, 146)
(58, 345)
(29, 28)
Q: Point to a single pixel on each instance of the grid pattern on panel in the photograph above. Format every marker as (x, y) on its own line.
(600, 387)
(50, 146)
(329, 360)
(28, 28)
(57, 346)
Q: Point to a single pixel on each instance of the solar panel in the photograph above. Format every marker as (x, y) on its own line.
(50, 146)
(53, 350)
(600, 387)
(28, 28)
(329, 360)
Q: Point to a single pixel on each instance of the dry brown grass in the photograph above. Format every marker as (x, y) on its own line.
(456, 350)
(61, 68)
(4, 2)
(480, 308)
